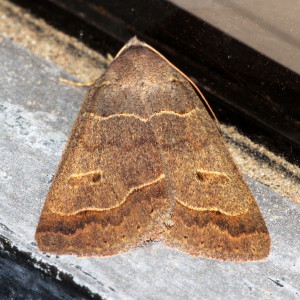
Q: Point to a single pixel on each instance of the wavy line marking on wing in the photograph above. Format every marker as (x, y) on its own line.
(132, 190)
(130, 115)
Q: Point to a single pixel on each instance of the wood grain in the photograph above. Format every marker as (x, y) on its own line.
(144, 162)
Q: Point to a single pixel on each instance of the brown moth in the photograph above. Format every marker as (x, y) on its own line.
(144, 162)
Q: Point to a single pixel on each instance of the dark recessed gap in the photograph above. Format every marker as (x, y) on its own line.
(70, 24)
(245, 90)
(19, 269)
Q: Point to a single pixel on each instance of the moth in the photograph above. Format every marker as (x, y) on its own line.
(145, 162)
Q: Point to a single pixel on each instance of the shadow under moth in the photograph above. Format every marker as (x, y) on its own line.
(145, 161)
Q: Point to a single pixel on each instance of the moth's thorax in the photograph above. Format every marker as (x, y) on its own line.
(128, 88)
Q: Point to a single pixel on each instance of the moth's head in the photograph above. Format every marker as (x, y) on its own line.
(140, 63)
(134, 41)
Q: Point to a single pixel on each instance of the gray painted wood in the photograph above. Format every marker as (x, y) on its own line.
(36, 115)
